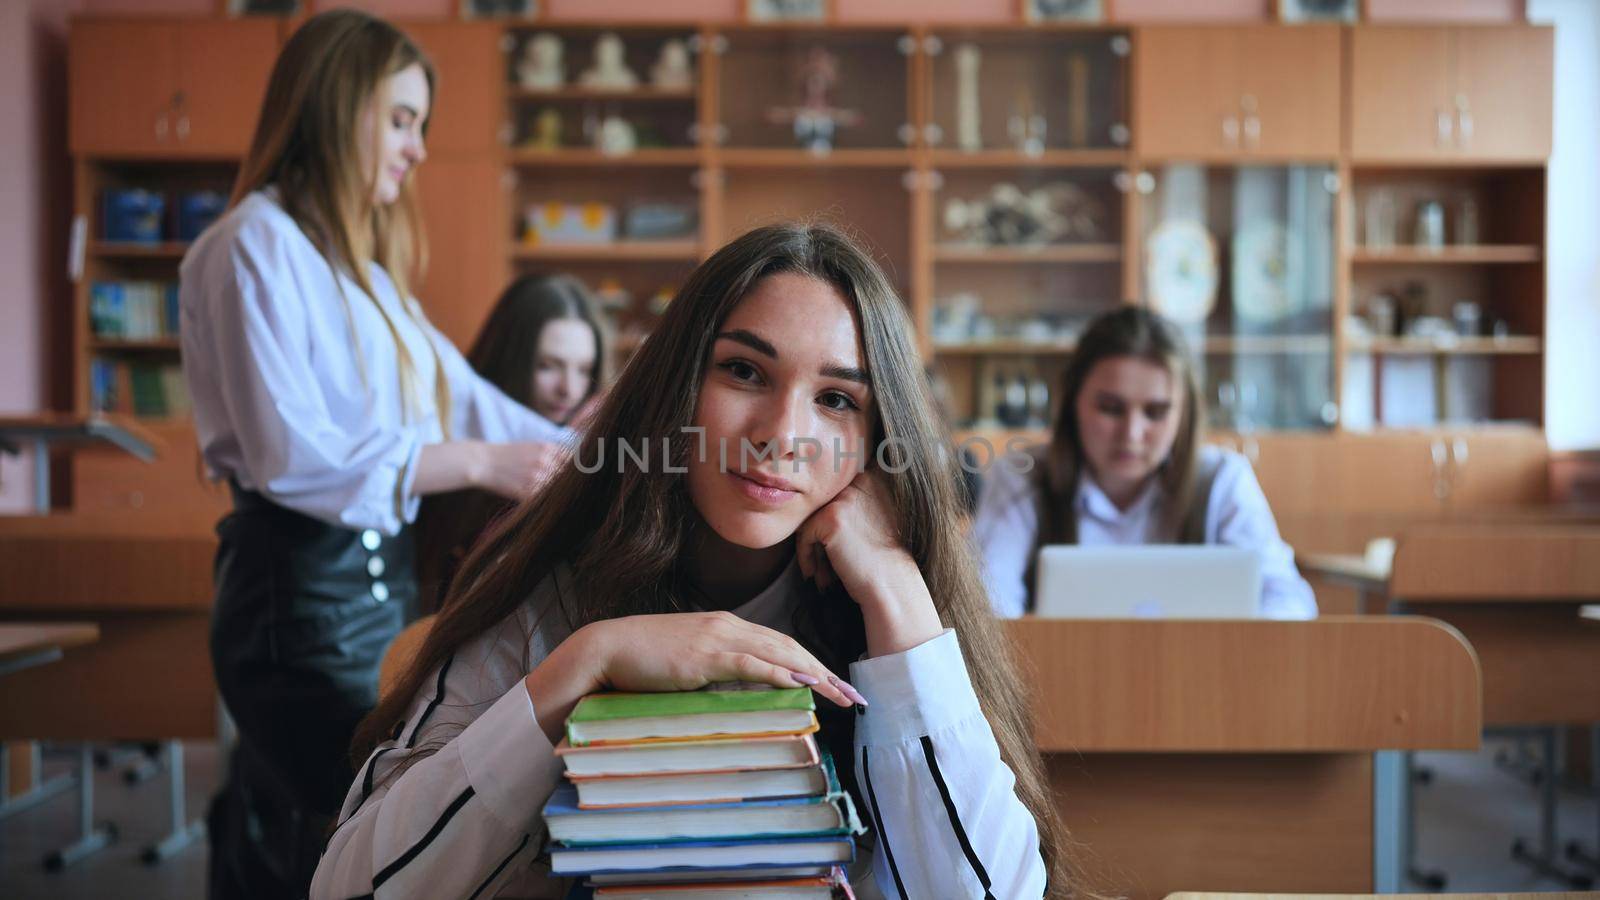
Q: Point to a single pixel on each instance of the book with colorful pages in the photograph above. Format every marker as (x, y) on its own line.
(688, 757)
(690, 715)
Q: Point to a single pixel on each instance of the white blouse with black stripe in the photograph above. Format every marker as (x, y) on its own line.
(450, 807)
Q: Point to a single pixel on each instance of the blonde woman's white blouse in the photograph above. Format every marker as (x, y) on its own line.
(296, 377)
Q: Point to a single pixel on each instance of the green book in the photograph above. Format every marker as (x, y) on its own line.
(687, 715)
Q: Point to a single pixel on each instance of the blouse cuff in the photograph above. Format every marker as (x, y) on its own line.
(508, 759)
(917, 692)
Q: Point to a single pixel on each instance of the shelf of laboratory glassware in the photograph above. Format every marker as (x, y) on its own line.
(1268, 344)
(1016, 159)
(1520, 345)
(576, 94)
(1474, 254)
(1042, 253)
(784, 158)
(618, 251)
(134, 345)
(138, 250)
(582, 156)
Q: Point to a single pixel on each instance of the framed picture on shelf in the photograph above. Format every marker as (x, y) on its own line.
(1063, 10)
(499, 9)
(1319, 10)
(786, 10)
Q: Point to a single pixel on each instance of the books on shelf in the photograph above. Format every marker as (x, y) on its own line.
(715, 794)
(618, 718)
(133, 310)
(146, 389)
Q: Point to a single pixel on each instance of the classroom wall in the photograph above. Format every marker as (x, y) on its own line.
(34, 177)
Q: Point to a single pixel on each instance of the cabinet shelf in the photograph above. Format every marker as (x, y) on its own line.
(577, 156)
(582, 94)
(1485, 346)
(1457, 255)
(1047, 253)
(1012, 159)
(617, 251)
(134, 250)
(1004, 348)
(132, 345)
(764, 158)
(1270, 344)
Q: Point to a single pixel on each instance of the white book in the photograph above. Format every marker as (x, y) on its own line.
(786, 751)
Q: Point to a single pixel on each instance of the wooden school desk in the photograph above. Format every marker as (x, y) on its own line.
(1516, 589)
(1247, 755)
(27, 645)
(145, 583)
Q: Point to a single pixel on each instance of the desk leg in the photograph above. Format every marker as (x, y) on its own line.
(1389, 827)
(184, 830)
(37, 792)
(1575, 852)
(92, 839)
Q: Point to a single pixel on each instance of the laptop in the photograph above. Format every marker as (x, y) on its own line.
(1148, 582)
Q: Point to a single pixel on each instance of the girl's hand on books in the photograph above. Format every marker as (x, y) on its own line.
(853, 541)
(687, 651)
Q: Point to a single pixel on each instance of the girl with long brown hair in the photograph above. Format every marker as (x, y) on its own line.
(767, 495)
(331, 405)
(1126, 464)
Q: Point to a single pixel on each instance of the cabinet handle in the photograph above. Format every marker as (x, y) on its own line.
(1443, 129)
(1463, 127)
(1252, 131)
(933, 134)
(1230, 132)
(182, 128)
(162, 126)
(1441, 475)
(1458, 451)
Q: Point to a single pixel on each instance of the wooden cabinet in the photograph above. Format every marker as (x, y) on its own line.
(169, 89)
(109, 481)
(1420, 93)
(1248, 91)
(469, 95)
(463, 206)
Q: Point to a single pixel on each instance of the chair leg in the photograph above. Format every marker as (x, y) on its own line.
(92, 838)
(1428, 879)
(1575, 851)
(184, 830)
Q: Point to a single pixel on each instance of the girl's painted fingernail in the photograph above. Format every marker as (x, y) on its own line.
(850, 692)
(803, 678)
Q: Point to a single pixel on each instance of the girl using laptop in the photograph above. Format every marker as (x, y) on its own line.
(1126, 466)
(791, 517)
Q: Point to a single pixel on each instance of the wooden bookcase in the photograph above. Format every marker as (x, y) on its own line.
(1127, 108)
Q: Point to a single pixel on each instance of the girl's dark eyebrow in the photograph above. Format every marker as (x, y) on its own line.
(407, 108)
(761, 345)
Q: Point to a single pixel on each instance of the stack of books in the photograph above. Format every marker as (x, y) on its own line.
(700, 794)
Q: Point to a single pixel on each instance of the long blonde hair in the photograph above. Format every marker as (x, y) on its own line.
(306, 144)
(624, 529)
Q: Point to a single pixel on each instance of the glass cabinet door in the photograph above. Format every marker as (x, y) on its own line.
(1242, 259)
(815, 90)
(1029, 92)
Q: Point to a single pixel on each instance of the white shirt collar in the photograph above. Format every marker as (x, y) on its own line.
(1093, 502)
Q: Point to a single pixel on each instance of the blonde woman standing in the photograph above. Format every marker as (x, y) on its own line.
(331, 405)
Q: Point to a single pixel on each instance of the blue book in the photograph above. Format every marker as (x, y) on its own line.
(764, 853)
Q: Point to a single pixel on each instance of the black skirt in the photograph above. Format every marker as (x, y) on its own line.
(304, 612)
